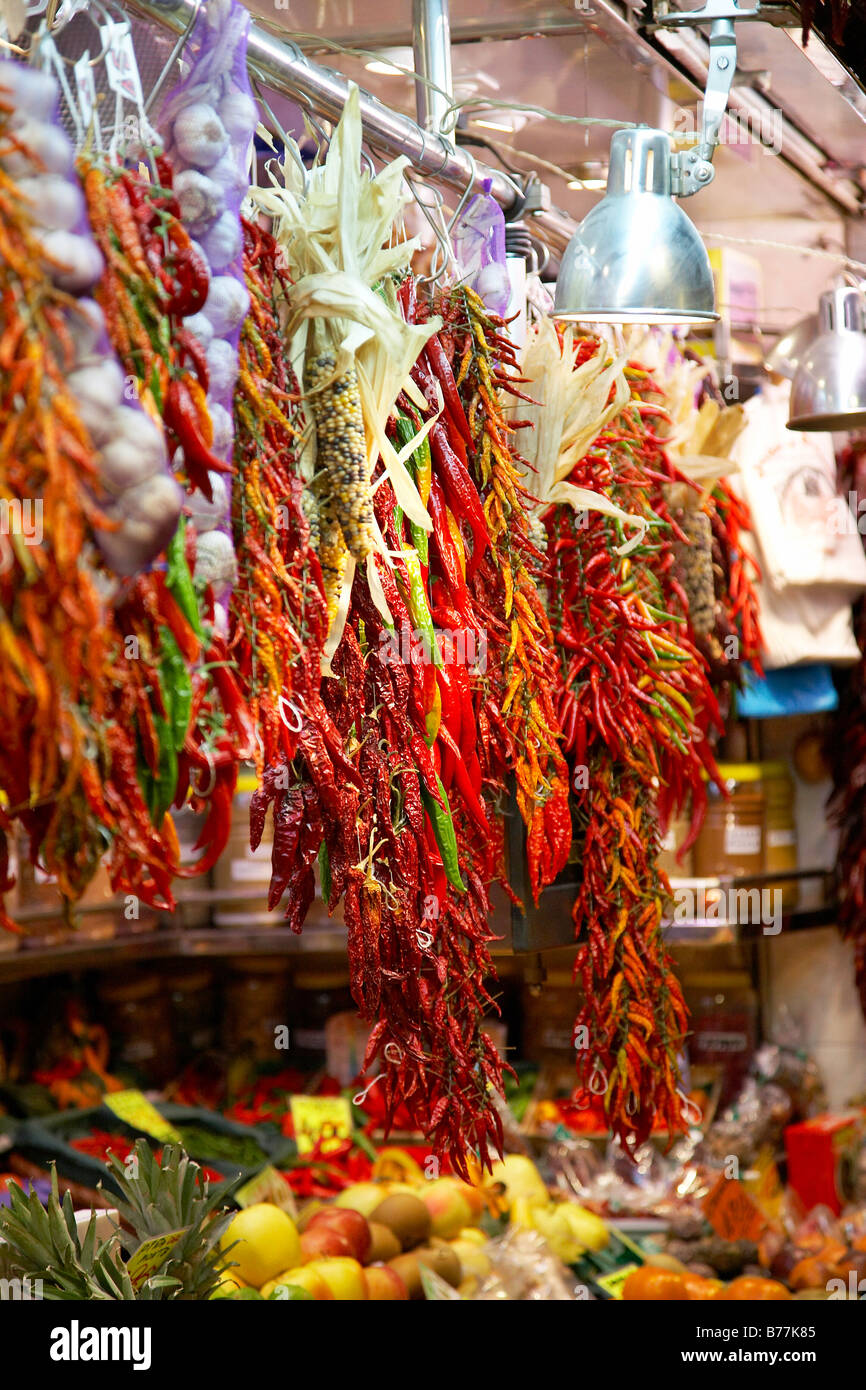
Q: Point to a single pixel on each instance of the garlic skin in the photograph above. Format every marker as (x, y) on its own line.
(239, 115)
(58, 204)
(33, 93)
(222, 361)
(227, 304)
(208, 515)
(223, 241)
(223, 430)
(215, 561)
(46, 148)
(231, 178)
(148, 513)
(200, 136)
(200, 327)
(201, 200)
(135, 452)
(79, 260)
(98, 390)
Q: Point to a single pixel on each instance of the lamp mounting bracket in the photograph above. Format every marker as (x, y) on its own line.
(692, 170)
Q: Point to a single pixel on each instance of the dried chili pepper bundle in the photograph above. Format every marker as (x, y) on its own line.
(69, 758)
(516, 718)
(278, 611)
(636, 709)
(845, 750)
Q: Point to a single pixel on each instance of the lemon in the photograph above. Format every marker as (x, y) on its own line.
(267, 1243)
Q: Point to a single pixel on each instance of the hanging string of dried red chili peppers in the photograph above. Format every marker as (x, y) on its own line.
(199, 728)
(514, 695)
(278, 612)
(845, 750)
(635, 708)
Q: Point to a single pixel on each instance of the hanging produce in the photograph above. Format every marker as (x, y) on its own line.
(349, 347)
(279, 616)
(69, 758)
(362, 781)
(635, 708)
(208, 123)
(497, 590)
(846, 755)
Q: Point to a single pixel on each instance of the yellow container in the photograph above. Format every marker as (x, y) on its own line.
(780, 832)
(731, 842)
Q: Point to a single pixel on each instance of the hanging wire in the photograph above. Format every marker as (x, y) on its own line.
(838, 257)
(289, 145)
(172, 58)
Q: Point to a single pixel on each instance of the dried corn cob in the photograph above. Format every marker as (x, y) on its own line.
(341, 448)
(332, 553)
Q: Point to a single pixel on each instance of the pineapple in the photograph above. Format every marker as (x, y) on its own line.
(155, 1198)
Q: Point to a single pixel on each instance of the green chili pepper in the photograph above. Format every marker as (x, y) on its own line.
(420, 466)
(176, 686)
(443, 829)
(178, 579)
(325, 871)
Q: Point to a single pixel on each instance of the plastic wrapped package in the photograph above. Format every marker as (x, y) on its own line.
(479, 248)
(208, 123)
(135, 488)
(525, 1270)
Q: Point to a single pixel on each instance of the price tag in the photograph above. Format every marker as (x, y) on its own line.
(136, 1110)
(267, 1186)
(612, 1283)
(121, 68)
(324, 1120)
(731, 1212)
(151, 1255)
(86, 88)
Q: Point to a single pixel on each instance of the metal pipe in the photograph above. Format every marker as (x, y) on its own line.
(431, 44)
(283, 68)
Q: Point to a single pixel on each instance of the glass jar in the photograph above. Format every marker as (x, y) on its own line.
(191, 894)
(317, 996)
(549, 1012)
(256, 998)
(137, 1014)
(241, 875)
(667, 860)
(193, 1010)
(731, 842)
(724, 1026)
(780, 832)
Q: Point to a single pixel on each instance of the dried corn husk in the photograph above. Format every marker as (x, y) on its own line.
(334, 232)
(570, 410)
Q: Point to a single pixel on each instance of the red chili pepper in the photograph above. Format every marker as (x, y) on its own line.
(181, 418)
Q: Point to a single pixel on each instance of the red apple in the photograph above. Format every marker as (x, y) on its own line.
(350, 1224)
(384, 1285)
(324, 1242)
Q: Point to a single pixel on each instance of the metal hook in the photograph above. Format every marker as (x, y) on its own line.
(172, 58)
(443, 242)
(289, 145)
(467, 192)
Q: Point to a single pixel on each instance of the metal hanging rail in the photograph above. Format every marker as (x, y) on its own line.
(282, 67)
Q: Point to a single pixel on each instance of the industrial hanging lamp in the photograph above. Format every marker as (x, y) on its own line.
(829, 390)
(636, 257)
(785, 357)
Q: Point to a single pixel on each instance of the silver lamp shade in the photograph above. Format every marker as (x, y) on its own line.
(829, 390)
(785, 357)
(636, 257)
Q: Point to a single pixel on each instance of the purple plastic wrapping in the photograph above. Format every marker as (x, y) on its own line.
(479, 247)
(140, 492)
(207, 123)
